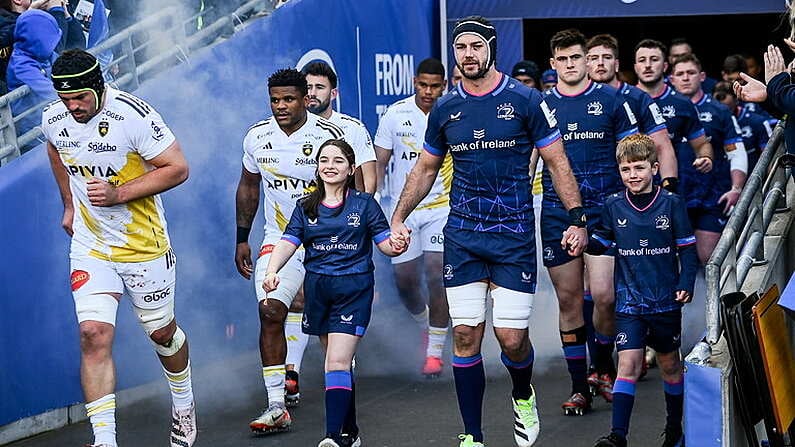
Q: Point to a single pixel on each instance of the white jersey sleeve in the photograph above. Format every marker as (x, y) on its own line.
(383, 136)
(249, 161)
(356, 135)
(146, 129)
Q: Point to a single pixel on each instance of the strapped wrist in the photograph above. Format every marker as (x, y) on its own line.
(242, 234)
(577, 217)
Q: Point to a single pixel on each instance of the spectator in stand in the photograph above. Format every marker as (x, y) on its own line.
(35, 37)
(71, 30)
(754, 67)
(9, 12)
(778, 97)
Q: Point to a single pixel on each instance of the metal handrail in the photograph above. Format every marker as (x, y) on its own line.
(744, 232)
(10, 142)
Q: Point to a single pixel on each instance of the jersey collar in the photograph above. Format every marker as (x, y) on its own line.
(586, 91)
(656, 195)
(494, 92)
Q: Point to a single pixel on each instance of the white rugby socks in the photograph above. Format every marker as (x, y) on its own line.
(296, 339)
(274, 384)
(181, 387)
(102, 414)
(436, 339)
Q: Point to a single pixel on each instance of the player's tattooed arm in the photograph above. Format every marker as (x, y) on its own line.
(62, 179)
(246, 204)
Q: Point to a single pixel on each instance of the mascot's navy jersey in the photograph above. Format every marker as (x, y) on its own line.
(592, 123)
(490, 138)
(647, 273)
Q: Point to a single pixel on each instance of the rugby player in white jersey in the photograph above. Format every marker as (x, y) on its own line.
(112, 154)
(398, 144)
(279, 154)
(322, 82)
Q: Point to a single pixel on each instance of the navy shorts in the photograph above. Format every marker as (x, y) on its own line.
(505, 259)
(554, 221)
(707, 219)
(340, 304)
(661, 332)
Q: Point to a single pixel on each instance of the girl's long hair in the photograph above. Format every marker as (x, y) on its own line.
(312, 201)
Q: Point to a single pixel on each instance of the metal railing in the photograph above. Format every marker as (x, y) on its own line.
(136, 56)
(741, 245)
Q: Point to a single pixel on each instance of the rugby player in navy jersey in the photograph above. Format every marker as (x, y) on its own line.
(755, 128)
(335, 224)
(655, 273)
(603, 64)
(489, 124)
(710, 197)
(593, 118)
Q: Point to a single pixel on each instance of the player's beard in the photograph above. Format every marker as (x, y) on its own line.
(652, 82)
(482, 70)
(320, 107)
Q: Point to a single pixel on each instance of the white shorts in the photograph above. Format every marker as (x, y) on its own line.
(426, 233)
(150, 284)
(291, 276)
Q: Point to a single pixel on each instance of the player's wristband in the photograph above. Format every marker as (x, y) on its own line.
(671, 184)
(242, 234)
(577, 217)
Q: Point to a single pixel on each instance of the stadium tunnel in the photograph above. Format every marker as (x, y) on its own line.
(714, 28)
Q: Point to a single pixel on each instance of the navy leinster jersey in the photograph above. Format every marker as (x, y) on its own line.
(490, 138)
(647, 242)
(650, 119)
(681, 117)
(755, 129)
(704, 190)
(592, 123)
(338, 242)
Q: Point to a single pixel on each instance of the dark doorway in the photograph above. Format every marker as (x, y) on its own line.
(712, 37)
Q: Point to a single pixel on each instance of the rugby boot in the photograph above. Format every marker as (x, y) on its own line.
(353, 440)
(593, 382)
(577, 405)
(605, 387)
(611, 440)
(291, 394)
(273, 420)
(468, 441)
(525, 421)
(183, 427)
(433, 367)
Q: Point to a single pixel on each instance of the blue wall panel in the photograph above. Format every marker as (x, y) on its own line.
(209, 104)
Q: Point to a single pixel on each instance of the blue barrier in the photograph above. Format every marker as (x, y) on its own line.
(209, 104)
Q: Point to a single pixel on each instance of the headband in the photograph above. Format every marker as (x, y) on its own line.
(88, 80)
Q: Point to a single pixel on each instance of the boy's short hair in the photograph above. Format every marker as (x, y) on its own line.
(637, 147)
(685, 58)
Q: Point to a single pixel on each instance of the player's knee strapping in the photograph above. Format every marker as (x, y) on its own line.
(467, 304)
(512, 309)
(96, 307)
(153, 319)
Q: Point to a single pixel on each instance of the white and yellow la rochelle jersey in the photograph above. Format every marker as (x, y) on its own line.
(114, 146)
(402, 130)
(287, 165)
(356, 135)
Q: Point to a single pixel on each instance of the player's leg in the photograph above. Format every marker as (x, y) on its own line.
(407, 269)
(600, 278)
(439, 313)
(707, 223)
(465, 275)
(339, 309)
(513, 276)
(566, 274)
(96, 289)
(567, 281)
(296, 346)
(272, 342)
(706, 241)
(665, 337)
(511, 316)
(631, 340)
(154, 308)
